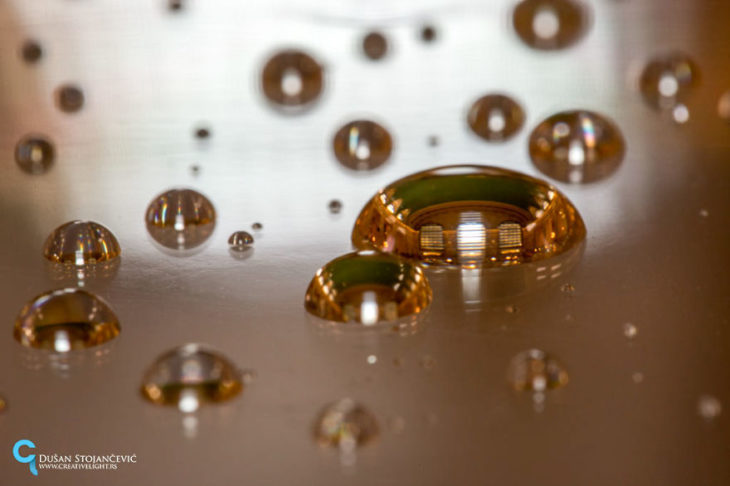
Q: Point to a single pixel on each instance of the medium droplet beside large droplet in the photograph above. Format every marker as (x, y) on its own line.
(292, 79)
(550, 24)
(577, 146)
(535, 370)
(180, 219)
(189, 376)
(34, 154)
(367, 288)
(240, 241)
(667, 80)
(64, 320)
(495, 117)
(81, 243)
(471, 216)
(345, 424)
(362, 145)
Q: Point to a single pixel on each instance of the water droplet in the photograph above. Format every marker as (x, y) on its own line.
(428, 33)
(511, 309)
(372, 359)
(180, 219)
(550, 24)
(189, 376)
(69, 98)
(80, 243)
(257, 226)
(345, 424)
(64, 320)
(577, 146)
(704, 213)
(175, 5)
(723, 106)
(362, 145)
(637, 377)
(367, 287)
(495, 117)
(471, 216)
(202, 133)
(630, 330)
(31, 51)
(433, 141)
(668, 80)
(240, 241)
(335, 206)
(709, 407)
(567, 288)
(292, 79)
(34, 154)
(195, 170)
(375, 45)
(398, 362)
(536, 370)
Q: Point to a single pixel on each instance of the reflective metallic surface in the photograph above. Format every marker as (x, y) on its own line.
(656, 253)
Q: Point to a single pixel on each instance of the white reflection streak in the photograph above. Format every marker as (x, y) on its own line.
(471, 285)
(62, 342)
(369, 308)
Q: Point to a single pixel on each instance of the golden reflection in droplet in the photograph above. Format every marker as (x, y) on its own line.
(80, 243)
(180, 219)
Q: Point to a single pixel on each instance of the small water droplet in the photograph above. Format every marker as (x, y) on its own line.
(471, 216)
(64, 320)
(723, 106)
(375, 45)
(433, 141)
(362, 145)
(335, 206)
(630, 330)
(567, 288)
(189, 376)
(34, 154)
(536, 370)
(367, 288)
(195, 170)
(292, 79)
(257, 226)
(175, 5)
(704, 213)
(202, 133)
(240, 241)
(372, 359)
(428, 33)
(69, 98)
(345, 424)
(550, 24)
(180, 219)
(667, 81)
(398, 362)
(709, 407)
(637, 377)
(31, 51)
(427, 363)
(511, 309)
(495, 117)
(81, 243)
(577, 146)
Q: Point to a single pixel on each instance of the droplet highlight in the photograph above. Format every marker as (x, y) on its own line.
(668, 80)
(292, 79)
(81, 243)
(535, 370)
(362, 145)
(240, 241)
(550, 24)
(345, 424)
(495, 117)
(34, 154)
(65, 320)
(180, 219)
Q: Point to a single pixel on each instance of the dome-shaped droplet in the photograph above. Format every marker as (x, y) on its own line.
(69, 98)
(495, 117)
(375, 45)
(367, 287)
(345, 424)
(362, 145)
(189, 376)
(469, 215)
(535, 370)
(335, 206)
(667, 80)
(81, 243)
(240, 241)
(180, 219)
(292, 78)
(550, 24)
(577, 146)
(64, 320)
(34, 154)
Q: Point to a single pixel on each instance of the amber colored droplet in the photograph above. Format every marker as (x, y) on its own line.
(577, 146)
(535, 370)
(69, 98)
(428, 33)
(180, 219)
(189, 376)
(471, 216)
(257, 226)
(202, 133)
(81, 243)
(362, 145)
(34, 154)
(175, 5)
(335, 206)
(375, 46)
(495, 117)
(3, 404)
(64, 320)
(31, 51)
(667, 80)
(723, 106)
(550, 24)
(345, 424)
(292, 78)
(240, 241)
(367, 288)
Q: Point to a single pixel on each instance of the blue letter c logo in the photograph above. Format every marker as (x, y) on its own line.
(29, 459)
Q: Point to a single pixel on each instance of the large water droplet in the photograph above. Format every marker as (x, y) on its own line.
(292, 79)
(550, 24)
(362, 145)
(345, 424)
(80, 243)
(469, 215)
(69, 98)
(537, 371)
(64, 320)
(495, 117)
(375, 45)
(367, 287)
(34, 154)
(180, 219)
(189, 376)
(577, 146)
(668, 80)
(240, 241)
